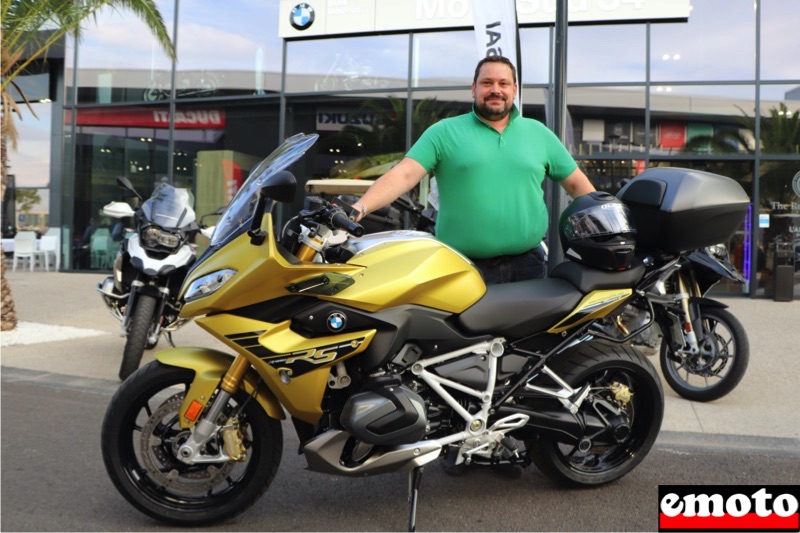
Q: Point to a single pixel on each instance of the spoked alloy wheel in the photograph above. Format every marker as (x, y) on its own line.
(626, 391)
(140, 440)
(720, 365)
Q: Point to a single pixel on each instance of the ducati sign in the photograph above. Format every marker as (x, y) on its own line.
(728, 508)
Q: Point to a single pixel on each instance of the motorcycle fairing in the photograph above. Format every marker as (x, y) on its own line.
(594, 305)
(157, 267)
(209, 366)
(295, 368)
(253, 264)
(408, 271)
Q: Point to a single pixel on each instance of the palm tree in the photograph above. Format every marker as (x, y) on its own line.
(780, 134)
(30, 28)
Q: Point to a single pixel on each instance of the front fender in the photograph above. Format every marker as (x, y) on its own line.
(707, 302)
(209, 366)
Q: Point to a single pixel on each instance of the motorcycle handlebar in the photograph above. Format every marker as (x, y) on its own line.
(340, 221)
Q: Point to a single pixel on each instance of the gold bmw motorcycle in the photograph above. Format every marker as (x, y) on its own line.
(387, 351)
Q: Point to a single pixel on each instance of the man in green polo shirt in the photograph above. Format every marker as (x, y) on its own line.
(489, 166)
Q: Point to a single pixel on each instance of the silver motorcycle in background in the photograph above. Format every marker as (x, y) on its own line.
(150, 268)
(703, 348)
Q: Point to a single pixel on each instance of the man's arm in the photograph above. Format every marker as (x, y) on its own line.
(400, 179)
(577, 184)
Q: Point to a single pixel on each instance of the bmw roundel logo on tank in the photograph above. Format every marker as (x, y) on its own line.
(302, 16)
(336, 321)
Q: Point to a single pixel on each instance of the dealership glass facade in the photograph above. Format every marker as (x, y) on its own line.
(720, 92)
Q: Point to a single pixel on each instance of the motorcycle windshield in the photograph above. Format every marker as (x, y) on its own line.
(169, 207)
(240, 211)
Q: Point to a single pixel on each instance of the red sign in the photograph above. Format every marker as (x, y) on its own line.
(140, 117)
(673, 135)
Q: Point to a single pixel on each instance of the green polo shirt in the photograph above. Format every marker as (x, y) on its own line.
(491, 200)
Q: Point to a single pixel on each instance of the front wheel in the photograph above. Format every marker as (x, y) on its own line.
(142, 324)
(141, 436)
(718, 367)
(626, 392)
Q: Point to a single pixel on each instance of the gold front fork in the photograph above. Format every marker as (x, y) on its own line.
(306, 253)
(192, 448)
(233, 377)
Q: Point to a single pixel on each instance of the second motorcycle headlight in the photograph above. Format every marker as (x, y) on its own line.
(208, 284)
(155, 236)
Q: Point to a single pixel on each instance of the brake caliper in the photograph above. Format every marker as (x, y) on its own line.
(622, 393)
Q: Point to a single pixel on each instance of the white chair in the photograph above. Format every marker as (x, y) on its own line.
(27, 234)
(26, 247)
(49, 246)
(99, 248)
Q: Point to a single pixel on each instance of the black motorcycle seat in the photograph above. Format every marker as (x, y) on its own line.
(588, 279)
(521, 308)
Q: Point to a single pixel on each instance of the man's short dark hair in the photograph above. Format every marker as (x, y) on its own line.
(495, 59)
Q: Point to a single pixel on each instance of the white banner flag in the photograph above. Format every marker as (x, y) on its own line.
(496, 33)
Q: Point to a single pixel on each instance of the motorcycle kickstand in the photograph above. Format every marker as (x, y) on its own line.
(414, 479)
(169, 338)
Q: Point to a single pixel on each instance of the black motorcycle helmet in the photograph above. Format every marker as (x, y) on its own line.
(596, 230)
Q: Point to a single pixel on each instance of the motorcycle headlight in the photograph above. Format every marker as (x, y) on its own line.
(208, 284)
(153, 236)
(720, 251)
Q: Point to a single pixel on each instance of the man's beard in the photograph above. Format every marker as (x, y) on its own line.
(484, 111)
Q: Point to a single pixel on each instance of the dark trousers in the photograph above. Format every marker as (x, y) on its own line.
(509, 268)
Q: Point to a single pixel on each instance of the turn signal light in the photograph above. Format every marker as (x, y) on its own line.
(194, 410)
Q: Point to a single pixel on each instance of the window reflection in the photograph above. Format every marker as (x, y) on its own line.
(110, 142)
(718, 42)
(609, 53)
(535, 52)
(216, 145)
(347, 64)
(702, 119)
(780, 119)
(228, 48)
(779, 225)
(119, 60)
(607, 120)
(432, 68)
(780, 39)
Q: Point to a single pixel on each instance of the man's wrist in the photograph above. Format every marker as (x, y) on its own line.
(360, 207)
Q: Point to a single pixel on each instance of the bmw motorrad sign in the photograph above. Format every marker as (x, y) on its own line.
(318, 18)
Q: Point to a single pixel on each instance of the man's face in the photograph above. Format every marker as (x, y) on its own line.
(494, 91)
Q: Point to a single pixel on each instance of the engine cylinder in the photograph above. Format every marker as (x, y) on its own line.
(388, 415)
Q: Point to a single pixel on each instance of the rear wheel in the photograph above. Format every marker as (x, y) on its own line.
(141, 436)
(626, 391)
(142, 323)
(720, 365)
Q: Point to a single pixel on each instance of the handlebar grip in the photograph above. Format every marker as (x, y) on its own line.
(340, 221)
